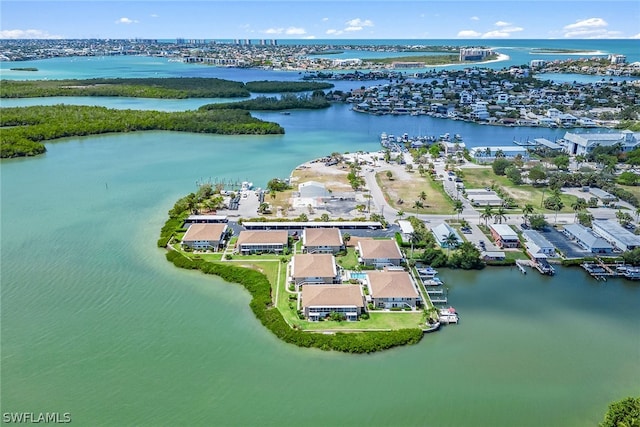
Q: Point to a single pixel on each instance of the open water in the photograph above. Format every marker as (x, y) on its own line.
(96, 323)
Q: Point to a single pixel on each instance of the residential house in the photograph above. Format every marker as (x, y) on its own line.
(205, 236)
(615, 234)
(379, 253)
(392, 289)
(320, 301)
(504, 236)
(442, 232)
(322, 240)
(261, 241)
(585, 238)
(536, 244)
(313, 269)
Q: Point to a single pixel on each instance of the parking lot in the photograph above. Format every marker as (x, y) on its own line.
(564, 245)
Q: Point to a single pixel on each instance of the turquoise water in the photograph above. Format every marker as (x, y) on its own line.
(96, 323)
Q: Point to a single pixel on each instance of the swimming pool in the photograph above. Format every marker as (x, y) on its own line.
(359, 276)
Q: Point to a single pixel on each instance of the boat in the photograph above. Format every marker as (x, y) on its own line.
(427, 272)
(246, 185)
(448, 315)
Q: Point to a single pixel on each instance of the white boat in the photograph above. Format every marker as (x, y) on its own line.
(427, 272)
(246, 185)
(448, 315)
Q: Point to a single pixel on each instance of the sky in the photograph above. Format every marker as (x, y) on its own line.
(322, 20)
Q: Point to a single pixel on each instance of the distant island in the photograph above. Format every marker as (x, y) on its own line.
(23, 69)
(169, 88)
(25, 128)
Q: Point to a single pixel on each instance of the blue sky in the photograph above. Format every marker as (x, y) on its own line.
(313, 19)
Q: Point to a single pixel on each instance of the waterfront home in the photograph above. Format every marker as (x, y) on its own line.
(392, 289)
(615, 234)
(322, 240)
(204, 236)
(379, 253)
(536, 244)
(313, 269)
(320, 301)
(442, 231)
(260, 241)
(493, 255)
(504, 236)
(585, 143)
(585, 238)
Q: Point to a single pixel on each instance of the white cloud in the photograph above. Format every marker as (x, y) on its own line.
(155, 15)
(591, 28)
(587, 23)
(274, 31)
(505, 29)
(27, 34)
(637, 36)
(468, 34)
(474, 18)
(352, 25)
(325, 19)
(295, 31)
(496, 34)
(125, 20)
(309, 37)
(359, 23)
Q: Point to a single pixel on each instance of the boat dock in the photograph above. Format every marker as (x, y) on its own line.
(600, 270)
(520, 264)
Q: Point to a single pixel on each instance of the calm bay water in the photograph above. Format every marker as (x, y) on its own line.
(96, 323)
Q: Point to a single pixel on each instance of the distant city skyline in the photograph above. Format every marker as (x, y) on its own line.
(323, 20)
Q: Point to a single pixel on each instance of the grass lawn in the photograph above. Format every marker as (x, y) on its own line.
(409, 189)
(348, 261)
(377, 320)
(522, 194)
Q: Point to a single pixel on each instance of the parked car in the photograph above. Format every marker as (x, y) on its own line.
(524, 226)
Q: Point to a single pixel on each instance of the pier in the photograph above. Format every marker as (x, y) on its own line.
(600, 270)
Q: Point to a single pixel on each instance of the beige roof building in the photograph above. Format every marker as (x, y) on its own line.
(202, 236)
(314, 269)
(391, 284)
(322, 240)
(251, 241)
(321, 300)
(379, 252)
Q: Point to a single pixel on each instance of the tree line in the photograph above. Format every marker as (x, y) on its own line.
(25, 128)
(171, 87)
(263, 103)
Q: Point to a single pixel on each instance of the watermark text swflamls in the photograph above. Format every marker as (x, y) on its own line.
(36, 417)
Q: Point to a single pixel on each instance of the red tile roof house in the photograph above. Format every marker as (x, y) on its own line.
(322, 240)
(392, 289)
(313, 269)
(261, 241)
(319, 301)
(205, 236)
(379, 253)
(504, 236)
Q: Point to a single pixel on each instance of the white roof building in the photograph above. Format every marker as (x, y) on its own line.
(615, 234)
(585, 143)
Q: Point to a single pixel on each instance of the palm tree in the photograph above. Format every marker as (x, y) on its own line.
(418, 205)
(499, 153)
(527, 210)
(422, 196)
(487, 152)
(500, 215)
(458, 207)
(578, 205)
(637, 213)
(345, 238)
(414, 238)
(487, 214)
(451, 240)
(400, 214)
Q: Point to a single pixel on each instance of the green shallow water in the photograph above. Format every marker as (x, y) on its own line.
(96, 323)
